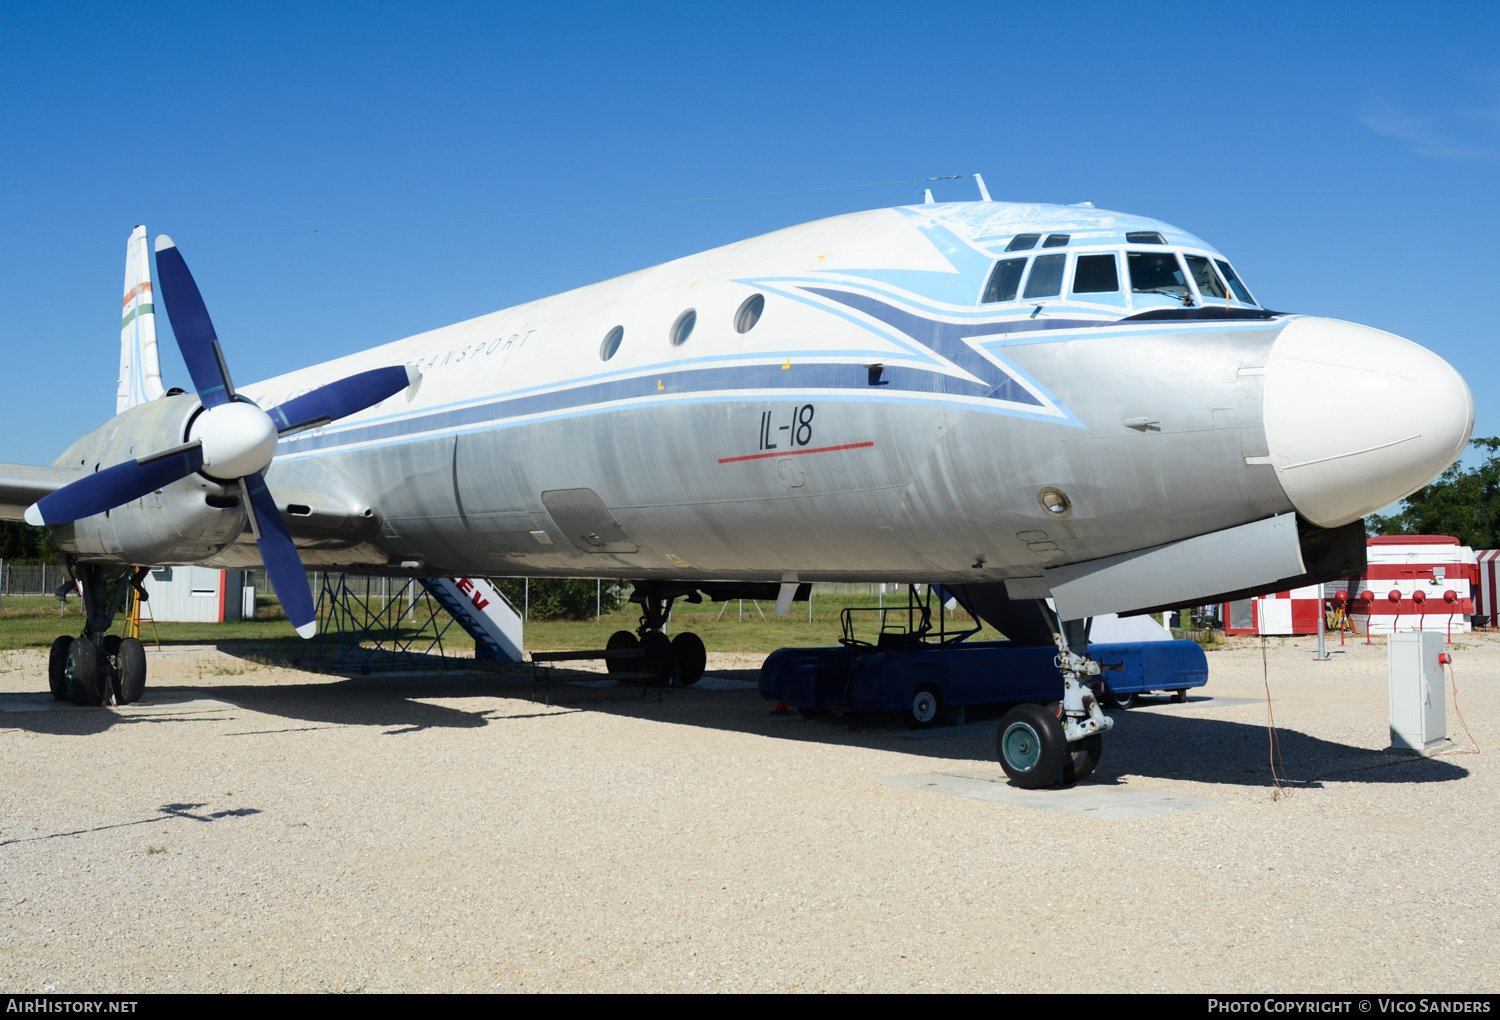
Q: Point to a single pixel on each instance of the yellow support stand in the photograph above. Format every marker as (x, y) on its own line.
(133, 618)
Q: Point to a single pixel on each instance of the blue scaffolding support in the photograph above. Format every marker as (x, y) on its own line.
(383, 627)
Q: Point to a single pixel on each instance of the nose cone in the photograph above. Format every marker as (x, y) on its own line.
(1357, 419)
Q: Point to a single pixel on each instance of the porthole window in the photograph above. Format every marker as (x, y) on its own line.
(749, 313)
(683, 327)
(611, 343)
(1055, 501)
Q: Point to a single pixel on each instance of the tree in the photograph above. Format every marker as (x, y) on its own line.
(1464, 503)
(23, 543)
(561, 598)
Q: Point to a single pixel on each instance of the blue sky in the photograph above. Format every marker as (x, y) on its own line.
(343, 175)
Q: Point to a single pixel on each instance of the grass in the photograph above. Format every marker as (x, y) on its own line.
(27, 622)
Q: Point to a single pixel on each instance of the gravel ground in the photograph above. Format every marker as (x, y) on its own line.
(448, 834)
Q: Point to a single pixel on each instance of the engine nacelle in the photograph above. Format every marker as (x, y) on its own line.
(185, 522)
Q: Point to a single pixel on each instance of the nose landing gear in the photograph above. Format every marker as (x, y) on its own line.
(1039, 746)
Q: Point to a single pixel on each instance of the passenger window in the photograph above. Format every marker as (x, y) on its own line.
(1157, 273)
(611, 343)
(1005, 280)
(1234, 283)
(1046, 276)
(1204, 275)
(749, 313)
(1056, 240)
(683, 327)
(1096, 274)
(1023, 242)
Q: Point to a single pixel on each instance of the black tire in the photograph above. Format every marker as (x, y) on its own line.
(813, 713)
(130, 672)
(659, 658)
(56, 663)
(1123, 700)
(621, 639)
(1179, 696)
(692, 658)
(926, 707)
(81, 672)
(1083, 758)
(1030, 745)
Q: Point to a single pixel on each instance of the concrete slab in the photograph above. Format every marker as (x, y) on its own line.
(153, 701)
(1171, 706)
(1112, 802)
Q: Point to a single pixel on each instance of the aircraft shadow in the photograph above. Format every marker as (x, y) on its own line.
(1168, 745)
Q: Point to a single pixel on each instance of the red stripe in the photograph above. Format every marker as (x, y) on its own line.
(1411, 571)
(794, 453)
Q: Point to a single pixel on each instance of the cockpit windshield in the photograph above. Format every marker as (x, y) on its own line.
(1204, 276)
(1240, 291)
(1157, 272)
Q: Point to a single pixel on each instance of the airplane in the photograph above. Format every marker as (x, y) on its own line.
(1014, 401)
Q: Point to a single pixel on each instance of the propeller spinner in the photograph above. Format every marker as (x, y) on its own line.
(232, 440)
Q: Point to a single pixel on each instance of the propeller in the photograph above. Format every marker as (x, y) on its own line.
(232, 440)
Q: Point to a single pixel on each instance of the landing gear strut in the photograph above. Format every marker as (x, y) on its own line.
(679, 660)
(1038, 746)
(98, 666)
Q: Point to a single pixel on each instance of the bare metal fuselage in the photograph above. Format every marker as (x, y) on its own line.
(870, 424)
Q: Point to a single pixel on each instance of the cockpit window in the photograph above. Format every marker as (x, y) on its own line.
(1096, 274)
(1144, 237)
(1046, 276)
(1234, 282)
(1023, 242)
(1204, 275)
(1157, 272)
(1005, 280)
(1056, 240)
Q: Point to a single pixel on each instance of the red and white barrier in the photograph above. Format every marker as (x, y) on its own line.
(1411, 583)
(1487, 564)
(1421, 582)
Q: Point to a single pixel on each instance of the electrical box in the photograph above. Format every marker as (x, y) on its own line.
(1419, 716)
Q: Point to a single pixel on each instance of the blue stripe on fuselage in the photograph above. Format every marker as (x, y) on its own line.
(898, 379)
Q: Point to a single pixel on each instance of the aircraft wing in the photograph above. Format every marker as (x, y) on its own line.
(23, 484)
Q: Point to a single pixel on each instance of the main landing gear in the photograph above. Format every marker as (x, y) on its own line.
(665, 661)
(1039, 745)
(98, 667)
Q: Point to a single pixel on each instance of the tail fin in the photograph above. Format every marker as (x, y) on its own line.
(140, 372)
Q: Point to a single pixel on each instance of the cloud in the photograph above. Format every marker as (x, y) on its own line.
(1466, 135)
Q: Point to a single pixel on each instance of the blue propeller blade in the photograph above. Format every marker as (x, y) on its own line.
(337, 399)
(191, 325)
(116, 486)
(283, 564)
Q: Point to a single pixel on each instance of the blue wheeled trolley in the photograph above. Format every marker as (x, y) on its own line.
(920, 667)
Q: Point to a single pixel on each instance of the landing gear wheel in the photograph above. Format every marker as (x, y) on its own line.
(692, 657)
(813, 713)
(1031, 746)
(1121, 699)
(1179, 696)
(130, 672)
(621, 639)
(926, 707)
(81, 672)
(1083, 758)
(56, 663)
(659, 658)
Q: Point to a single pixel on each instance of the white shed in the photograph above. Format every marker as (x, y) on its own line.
(197, 595)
